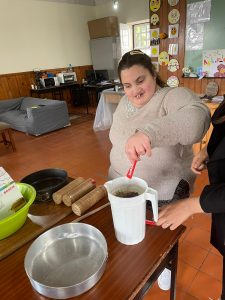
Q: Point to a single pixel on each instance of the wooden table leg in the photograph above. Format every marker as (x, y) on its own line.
(169, 262)
(174, 257)
(4, 138)
(12, 142)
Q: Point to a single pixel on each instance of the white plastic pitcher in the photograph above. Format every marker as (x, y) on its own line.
(129, 214)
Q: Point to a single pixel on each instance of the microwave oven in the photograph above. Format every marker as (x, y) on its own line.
(67, 77)
(49, 82)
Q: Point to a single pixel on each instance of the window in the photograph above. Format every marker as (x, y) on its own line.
(135, 36)
(141, 37)
(125, 38)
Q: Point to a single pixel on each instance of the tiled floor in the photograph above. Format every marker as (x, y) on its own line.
(83, 152)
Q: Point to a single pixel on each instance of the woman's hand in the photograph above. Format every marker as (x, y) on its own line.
(137, 145)
(176, 213)
(199, 161)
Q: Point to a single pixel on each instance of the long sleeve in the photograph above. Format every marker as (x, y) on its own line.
(185, 122)
(212, 199)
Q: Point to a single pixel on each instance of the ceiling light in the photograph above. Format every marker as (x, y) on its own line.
(115, 4)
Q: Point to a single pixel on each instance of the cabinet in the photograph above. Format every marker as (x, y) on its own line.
(104, 27)
(197, 147)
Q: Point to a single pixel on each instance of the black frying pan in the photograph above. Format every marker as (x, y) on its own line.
(46, 182)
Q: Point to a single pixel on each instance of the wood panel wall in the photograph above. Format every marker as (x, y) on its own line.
(198, 86)
(19, 84)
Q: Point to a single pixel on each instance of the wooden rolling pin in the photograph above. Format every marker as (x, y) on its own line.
(73, 195)
(87, 201)
(58, 195)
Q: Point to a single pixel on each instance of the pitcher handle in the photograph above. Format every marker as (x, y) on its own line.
(152, 195)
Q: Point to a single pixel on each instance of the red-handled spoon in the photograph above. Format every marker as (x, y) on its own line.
(148, 222)
(131, 170)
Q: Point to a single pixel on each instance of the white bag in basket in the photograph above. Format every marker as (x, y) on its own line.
(9, 194)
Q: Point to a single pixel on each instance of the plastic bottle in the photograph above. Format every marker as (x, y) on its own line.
(70, 68)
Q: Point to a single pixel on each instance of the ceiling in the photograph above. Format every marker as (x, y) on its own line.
(82, 2)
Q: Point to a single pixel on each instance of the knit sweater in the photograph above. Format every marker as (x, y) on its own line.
(174, 119)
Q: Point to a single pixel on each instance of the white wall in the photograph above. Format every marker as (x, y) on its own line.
(42, 34)
(129, 11)
(47, 34)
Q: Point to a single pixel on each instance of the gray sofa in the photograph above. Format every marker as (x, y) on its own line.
(34, 115)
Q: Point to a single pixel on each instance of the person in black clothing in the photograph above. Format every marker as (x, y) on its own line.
(212, 198)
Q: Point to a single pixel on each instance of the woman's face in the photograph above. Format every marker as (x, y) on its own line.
(139, 85)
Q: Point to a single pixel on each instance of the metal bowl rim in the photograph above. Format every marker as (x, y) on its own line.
(101, 268)
(103, 265)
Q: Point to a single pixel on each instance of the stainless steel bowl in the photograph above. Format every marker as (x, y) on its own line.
(66, 260)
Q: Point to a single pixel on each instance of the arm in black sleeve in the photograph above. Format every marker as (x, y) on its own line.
(212, 199)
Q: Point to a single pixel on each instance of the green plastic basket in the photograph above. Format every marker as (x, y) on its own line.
(14, 222)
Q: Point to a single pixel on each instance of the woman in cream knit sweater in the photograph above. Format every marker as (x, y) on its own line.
(156, 125)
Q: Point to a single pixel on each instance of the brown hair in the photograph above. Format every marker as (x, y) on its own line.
(219, 114)
(137, 57)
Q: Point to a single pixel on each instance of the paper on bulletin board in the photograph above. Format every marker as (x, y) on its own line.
(214, 62)
(194, 36)
(198, 12)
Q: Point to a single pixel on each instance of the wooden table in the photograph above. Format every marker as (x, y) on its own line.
(56, 91)
(129, 272)
(94, 91)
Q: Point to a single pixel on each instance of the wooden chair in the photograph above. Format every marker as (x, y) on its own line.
(7, 136)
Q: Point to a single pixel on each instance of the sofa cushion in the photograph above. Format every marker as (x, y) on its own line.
(16, 118)
(32, 102)
(10, 104)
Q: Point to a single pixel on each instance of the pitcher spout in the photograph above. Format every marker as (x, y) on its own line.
(107, 185)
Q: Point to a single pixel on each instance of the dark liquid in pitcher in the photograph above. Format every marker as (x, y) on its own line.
(126, 194)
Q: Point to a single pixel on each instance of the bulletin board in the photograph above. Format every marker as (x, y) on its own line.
(213, 36)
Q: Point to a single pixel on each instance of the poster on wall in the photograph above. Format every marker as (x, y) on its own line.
(154, 51)
(214, 62)
(155, 5)
(163, 58)
(174, 16)
(173, 31)
(154, 37)
(173, 49)
(173, 2)
(154, 19)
